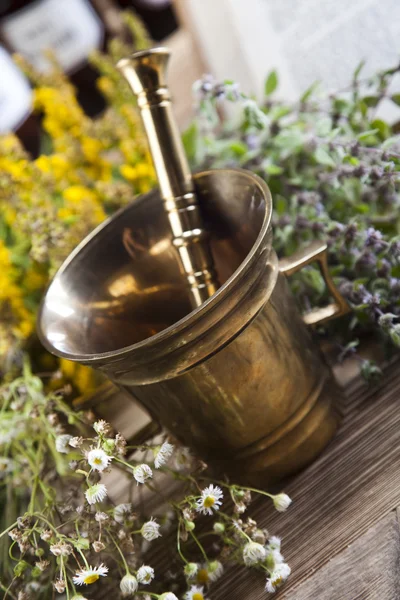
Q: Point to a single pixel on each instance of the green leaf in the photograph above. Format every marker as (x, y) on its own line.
(358, 70)
(308, 93)
(280, 205)
(396, 99)
(238, 148)
(273, 169)
(371, 101)
(271, 83)
(382, 127)
(395, 139)
(366, 134)
(323, 158)
(189, 138)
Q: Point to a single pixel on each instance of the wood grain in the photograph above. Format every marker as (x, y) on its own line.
(366, 570)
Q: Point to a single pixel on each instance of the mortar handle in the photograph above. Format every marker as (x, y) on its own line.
(316, 251)
(145, 72)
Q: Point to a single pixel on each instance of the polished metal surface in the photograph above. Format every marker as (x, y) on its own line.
(239, 379)
(145, 72)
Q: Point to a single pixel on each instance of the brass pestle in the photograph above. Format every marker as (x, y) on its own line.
(145, 72)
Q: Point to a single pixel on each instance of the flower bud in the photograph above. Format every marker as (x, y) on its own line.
(219, 527)
(190, 525)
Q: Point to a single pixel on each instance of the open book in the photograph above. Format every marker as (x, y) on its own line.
(304, 40)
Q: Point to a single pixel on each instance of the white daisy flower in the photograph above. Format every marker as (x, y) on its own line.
(98, 459)
(145, 574)
(128, 585)
(142, 472)
(167, 596)
(209, 572)
(122, 511)
(215, 570)
(210, 500)
(89, 575)
(6, 466)
(191, 570)
(62, 443)
(277, 577)
(274, 543)
(96, 493)
(162, 454)
(253, 553)
(195, 593)
(274, 558)
(150, 530)
(281, 502)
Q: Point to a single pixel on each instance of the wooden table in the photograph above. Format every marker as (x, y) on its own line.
(341, 535)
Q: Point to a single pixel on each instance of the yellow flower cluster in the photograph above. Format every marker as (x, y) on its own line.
(16, 321)
(48, 205)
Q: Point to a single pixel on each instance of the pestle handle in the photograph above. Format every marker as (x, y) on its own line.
(145, 72)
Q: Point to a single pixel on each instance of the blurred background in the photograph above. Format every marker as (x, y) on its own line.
(304, 40)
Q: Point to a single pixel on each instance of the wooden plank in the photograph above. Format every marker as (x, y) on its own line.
(366, 570)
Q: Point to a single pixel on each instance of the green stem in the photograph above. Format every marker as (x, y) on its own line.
(178, 543)
(121, 554)
(8, 529)
(200, 546)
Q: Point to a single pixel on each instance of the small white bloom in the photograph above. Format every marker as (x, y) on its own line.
(282, 502)
(274, 543)
(96, 493)
(76, 442)
(162, 454)
(215, 570)
(128, 585)
(150, 530)
(61, 549)
(277, 577)
(168, 596)
(191, 570)
(102, 427)
(62, 442)
(274, 557)
(59, 585)
(89, 575)
(253, 553)
(42, 565)
(101, 517)
(98, 459)
(122, 511)
(78, 597)
(98, 546)
(142, 472)
(6, 466)
(210, 500)
(195, 593)
(145, 574)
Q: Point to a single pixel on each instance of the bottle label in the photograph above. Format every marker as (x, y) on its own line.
(15, 94)
(70, 28)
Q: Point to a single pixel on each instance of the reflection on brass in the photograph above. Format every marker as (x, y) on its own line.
(239, 379)
(145, 71)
